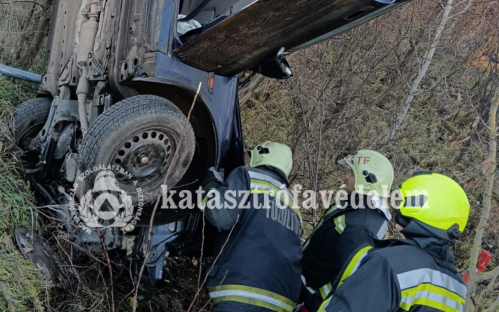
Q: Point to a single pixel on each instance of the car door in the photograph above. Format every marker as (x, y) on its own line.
(260, 31)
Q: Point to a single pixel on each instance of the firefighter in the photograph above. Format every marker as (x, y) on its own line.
(416, 273)
(258, 248)
(358, 220)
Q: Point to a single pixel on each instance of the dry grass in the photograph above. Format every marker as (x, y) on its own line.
(355, 85)
(19, 25)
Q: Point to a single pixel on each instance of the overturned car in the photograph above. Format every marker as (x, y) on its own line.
(120, 78)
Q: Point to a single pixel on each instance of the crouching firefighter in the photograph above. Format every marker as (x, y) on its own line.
(359, 220)
(258, 248)
(418, 272)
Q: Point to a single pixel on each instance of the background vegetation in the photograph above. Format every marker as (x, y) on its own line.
(347, 94)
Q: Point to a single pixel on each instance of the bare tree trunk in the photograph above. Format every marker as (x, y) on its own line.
(422, 72)
(23, 27)
(41, 33)
(489, 168)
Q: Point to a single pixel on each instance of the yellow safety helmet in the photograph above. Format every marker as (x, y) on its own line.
(273, 154)
(372, 170)
(435, 201)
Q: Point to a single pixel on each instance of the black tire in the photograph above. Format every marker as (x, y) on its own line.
(151, 120)
(29, 119)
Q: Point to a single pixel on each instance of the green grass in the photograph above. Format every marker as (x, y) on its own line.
(21, 285)
(14, 92)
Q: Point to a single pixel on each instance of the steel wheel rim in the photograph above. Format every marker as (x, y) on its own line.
(145, 156)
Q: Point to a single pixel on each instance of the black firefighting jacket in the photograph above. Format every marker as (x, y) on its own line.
(340, 232)
(258, 249)
(416, 275)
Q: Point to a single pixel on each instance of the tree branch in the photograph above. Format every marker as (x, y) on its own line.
(422, 73)
(487, 204)
(24, 1)
(110, 268)
(494, 305)
(212, 266)
(488, 275)
(202, 249)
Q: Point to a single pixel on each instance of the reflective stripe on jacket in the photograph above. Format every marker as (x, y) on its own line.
(400, 277)
(339, 232)
(251, 296)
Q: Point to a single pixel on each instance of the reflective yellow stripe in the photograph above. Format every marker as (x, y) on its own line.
(259, 190)
(253, 290)
(203, 203)
(266, 177)
(429, 303)
(325, 290)
(324, 305)
(434, 289)
(253, 302)
(351, 268)
(323, 293)
(339, 224)
(433, 296)
(284, 194)
(273, 193)
(305, 245)
(265, 184)
(354, 264)
(251, 295)
(416, 277)
(333, 208)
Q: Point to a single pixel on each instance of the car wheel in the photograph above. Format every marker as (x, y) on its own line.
(29, 119)
(140, 135)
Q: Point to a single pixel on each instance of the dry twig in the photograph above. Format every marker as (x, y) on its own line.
(151, 222)
(487, 204)
(422, 73)
(110, 268)
(202, 248)
(23, 1)
(212, 266)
